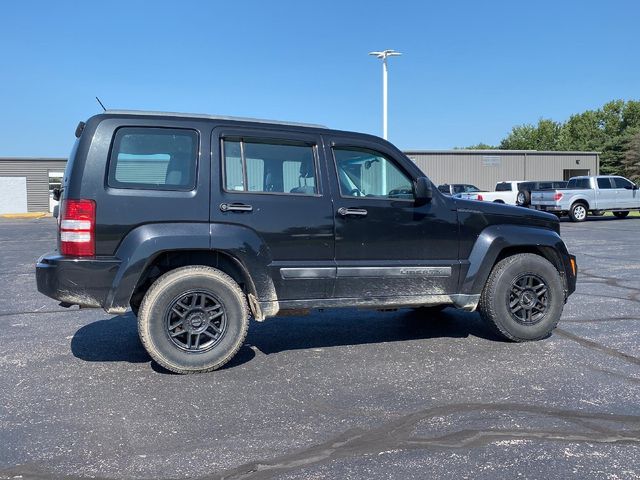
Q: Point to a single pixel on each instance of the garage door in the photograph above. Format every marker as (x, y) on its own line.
(13, 195)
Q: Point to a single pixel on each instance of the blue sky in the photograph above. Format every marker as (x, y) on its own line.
(470, 70)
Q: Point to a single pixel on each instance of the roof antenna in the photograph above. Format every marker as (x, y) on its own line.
(101, 104)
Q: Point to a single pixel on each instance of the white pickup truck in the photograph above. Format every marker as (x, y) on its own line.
(590, 194)
(505, 192)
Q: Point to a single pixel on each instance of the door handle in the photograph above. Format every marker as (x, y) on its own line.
(358, 212)
(235, 207)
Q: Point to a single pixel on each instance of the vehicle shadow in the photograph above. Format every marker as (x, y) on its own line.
(116, 339)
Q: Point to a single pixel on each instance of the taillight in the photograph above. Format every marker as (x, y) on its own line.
(480, 198)
(77, 228)
(557, 197)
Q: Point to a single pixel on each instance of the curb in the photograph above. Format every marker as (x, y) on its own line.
(25, 215)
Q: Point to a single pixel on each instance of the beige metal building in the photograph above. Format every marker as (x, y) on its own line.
(484, 168)
(26, 183)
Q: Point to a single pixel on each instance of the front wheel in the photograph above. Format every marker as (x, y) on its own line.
(523, 298)
(621, 214)
(193, 319)
(578, 212)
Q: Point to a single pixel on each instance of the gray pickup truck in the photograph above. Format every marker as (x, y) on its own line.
(590, 194)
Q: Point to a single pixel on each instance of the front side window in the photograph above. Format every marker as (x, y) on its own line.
(622, 183)
(269, 166)
(153, 158)
(365, 173)
(471, 188)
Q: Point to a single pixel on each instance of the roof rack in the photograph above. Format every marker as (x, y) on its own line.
(211, 117)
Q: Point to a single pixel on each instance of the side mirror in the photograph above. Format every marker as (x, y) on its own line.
(635, 187)
(423, 191)
(56, 194)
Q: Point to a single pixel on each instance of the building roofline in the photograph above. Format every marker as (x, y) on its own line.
(42, 159)
(497, 152)
(210, 117)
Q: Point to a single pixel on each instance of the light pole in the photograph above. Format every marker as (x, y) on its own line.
(383, 55)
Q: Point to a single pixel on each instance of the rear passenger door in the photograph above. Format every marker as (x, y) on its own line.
(607, 197)
(270, 184)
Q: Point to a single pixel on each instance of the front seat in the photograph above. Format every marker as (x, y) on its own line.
(306, 172)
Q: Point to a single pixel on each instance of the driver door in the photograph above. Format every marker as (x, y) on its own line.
(386, 245)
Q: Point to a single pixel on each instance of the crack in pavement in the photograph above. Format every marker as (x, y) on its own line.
(598, 320)
(397, 435)
(591, 345)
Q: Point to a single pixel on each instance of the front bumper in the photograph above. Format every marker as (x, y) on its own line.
(571, 274)
(76, 281)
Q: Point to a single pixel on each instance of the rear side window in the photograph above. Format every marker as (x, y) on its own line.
(153, 158)
(266, 166)
(444, 188)
(604, 183)
(503, 187)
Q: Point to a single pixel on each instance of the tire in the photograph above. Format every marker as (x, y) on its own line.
(621, 214)
(513, 283)
(578, 212)
(499, 201)
(188, 306)
(523, 198)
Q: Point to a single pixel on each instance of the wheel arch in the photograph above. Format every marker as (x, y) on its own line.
(168, 260)
(501, 241)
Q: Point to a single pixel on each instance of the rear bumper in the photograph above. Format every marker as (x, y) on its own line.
(548, 208)
(77, 281)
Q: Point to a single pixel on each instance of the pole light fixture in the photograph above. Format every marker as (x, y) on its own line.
(383, 55)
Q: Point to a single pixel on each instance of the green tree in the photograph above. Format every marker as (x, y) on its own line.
(543, 136)
(481, 146)
(631, 159)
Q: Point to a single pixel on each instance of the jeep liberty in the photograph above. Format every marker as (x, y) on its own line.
(198, 222)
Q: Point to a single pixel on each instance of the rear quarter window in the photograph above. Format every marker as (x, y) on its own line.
(153, 158)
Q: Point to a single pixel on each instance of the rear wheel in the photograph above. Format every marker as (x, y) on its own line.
(621, 214)
(523, 298)
(578, 212)
(193, 319)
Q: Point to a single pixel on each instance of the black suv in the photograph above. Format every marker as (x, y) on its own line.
(197, 222)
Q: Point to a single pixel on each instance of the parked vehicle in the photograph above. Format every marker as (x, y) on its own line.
(455, 188)
(469, 196)
(583, 195)
(196, 222)
(505, 192)
(523, 198)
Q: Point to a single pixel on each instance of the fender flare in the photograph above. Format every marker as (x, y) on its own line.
(493, 240)
(143, 244)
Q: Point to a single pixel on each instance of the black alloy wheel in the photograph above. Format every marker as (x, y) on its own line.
(195, 321)
(527, 299)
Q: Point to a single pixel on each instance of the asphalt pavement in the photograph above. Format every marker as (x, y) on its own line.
(338, 394)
